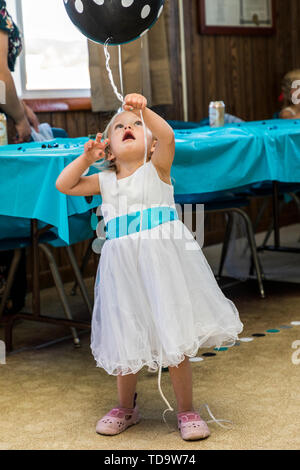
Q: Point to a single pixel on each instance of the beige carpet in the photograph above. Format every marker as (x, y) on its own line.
(51, 397)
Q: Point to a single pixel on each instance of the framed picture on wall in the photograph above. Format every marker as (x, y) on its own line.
(244, 17)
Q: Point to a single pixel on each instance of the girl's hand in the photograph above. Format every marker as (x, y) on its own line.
(95, 149)
(134, 102)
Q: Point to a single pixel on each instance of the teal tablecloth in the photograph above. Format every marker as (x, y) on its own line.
(236, 155)
(28, 174)
(206, 160)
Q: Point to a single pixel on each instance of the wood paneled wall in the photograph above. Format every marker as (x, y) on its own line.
(244, 72)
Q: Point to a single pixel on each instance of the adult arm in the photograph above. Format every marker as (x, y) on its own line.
(13, 107)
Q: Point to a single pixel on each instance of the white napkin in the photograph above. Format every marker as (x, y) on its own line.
(45, 133)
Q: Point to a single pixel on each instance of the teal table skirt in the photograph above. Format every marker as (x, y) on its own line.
(15, 231)
(236, 156)
(206, 161)
(28, 174)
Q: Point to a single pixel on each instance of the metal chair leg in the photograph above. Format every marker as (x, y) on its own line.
(60, 289)
(10, 278)
(260, 213)
(225, 243)
(253, 249)
(79, 279)
(271, 226)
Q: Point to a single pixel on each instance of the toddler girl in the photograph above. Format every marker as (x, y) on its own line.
(156, 298)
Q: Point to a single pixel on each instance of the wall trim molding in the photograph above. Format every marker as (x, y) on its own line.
(45, 105)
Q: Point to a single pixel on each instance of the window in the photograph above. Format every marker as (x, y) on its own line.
(54, 62)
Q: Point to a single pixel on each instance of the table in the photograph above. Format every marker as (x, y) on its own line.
(30, 201)
(27, 183)
(246, 153)
(206, 161)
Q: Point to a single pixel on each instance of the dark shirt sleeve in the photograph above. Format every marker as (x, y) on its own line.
(14, 36)
(5, 23)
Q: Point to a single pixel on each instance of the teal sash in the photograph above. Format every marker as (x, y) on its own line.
(130, 223)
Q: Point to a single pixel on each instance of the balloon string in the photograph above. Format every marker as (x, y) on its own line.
(110, 75)
(145, 158)
(214, 420)
(120, 69)
(161, 393)
(121, 98)
(143, 189)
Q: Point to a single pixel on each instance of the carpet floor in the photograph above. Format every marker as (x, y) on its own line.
(52, 394)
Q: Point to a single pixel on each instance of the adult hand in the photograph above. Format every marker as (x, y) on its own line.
(32, 117)
(23, 131)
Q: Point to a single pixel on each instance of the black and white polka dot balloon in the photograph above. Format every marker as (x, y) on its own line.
(120, 21)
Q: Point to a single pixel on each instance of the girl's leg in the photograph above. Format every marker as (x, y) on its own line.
(126, 389)
(181, 378)
(113, 423)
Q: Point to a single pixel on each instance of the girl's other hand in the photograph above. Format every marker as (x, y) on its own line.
(95, 149)
(134, 102)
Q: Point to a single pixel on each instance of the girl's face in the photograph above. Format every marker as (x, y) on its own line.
(126, 135)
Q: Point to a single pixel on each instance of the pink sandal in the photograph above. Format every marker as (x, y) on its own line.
(192, 427)
(118, 419)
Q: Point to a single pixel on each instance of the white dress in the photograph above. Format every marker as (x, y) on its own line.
(167, 308)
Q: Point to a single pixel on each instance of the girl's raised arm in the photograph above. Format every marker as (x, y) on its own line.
(164, 152)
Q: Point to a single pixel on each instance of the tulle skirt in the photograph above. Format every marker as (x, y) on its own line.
(157, 310)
